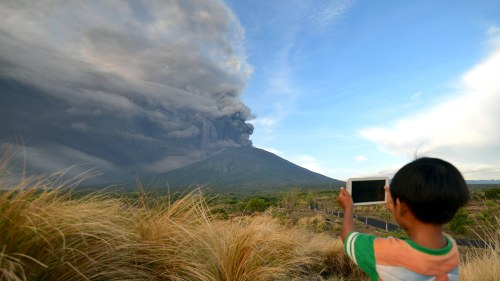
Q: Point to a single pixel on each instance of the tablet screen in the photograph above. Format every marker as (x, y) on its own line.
(368, 191)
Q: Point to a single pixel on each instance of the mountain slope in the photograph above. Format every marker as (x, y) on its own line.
(242, 167)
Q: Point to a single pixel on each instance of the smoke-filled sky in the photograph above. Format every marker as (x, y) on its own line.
(344, 88)
(120, 86)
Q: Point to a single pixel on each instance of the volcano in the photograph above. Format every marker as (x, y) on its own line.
(242, 168)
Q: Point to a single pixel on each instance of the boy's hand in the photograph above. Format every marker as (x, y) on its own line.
(389, 204)
(345, 199)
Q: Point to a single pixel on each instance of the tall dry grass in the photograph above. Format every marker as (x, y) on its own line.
(316, 223)
(46, 233)
(483, 264)
(49, 234)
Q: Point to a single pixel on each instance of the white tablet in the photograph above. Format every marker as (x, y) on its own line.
(367, 191)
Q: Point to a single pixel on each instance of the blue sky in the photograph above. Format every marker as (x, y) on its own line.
(352, 88)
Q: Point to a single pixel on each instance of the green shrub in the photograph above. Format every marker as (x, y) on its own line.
(492, 193)
(490, 213)
(460, 221)
(219, 213)
(257, 205)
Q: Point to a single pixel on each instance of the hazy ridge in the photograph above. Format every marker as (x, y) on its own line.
(244, 168)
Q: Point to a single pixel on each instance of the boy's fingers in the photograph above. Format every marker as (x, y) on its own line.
(343, 192)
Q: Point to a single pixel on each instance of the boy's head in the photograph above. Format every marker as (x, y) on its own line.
(432, 189)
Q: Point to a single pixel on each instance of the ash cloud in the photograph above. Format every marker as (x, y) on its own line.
(127, 86)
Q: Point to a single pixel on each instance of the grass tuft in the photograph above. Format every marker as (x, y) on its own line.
(483, 264)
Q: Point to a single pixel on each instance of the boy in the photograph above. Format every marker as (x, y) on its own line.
(423, 195)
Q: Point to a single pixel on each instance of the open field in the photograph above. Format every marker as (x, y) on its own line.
(50, 233)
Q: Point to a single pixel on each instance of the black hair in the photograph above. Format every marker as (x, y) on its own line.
(432, 188)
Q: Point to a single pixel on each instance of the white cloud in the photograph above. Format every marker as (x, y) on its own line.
(361, 158)
(308, 162)
(273, 150)
(463, 129)
(416, 95)
(265, 121)
(494, 30)
(304, 160)
(323, 15)
(386, 172)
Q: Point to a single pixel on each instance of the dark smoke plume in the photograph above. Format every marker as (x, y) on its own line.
(124, 86)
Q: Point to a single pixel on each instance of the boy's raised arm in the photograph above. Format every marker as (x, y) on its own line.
(345, 201)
